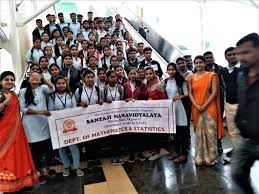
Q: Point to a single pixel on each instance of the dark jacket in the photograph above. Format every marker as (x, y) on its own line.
(248, 110)
(74, 81)
(154, 63)
(36, 33)
(130, 65)
(230, 80)
(46, 28)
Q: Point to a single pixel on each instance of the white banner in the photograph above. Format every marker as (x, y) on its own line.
(75, 125)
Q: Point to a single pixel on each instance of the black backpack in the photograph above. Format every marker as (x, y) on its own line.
(120, 89)
(80, 90)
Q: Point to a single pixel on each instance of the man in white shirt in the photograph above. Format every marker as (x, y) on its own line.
(101, 31)
(181, 65)
(74, 26)
(38, 31)
(62, 22)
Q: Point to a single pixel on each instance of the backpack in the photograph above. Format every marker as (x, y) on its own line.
(120, 89)
(80, 90)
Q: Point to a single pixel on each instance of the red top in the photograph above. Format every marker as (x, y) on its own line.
(140, 92)
(156, 90)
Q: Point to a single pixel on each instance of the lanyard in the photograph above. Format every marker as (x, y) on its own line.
(89, 97)
(113, 99)
(64, 104)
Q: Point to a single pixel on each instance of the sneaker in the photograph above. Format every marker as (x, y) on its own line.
(66, 172)
(141, 157)
(131, 158)
(42, 180)
(79, 172)
(94, 163)
(116, 161)
(51, 172)
(162, 152)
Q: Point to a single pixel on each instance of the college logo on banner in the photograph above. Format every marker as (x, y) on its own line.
(69, 126)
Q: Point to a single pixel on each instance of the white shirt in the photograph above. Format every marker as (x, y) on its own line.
(77, 63)
(41, 30)
(51, 60)
(33, 55)
(59, 62)
(44, 44)
(100, 34)
(62, 25)
(52, 27)
(85, 34)
(113, 93)
(89, 95)
(171, 90)
(61, 101)
(75, 28)
(36, 126)
(46, 75)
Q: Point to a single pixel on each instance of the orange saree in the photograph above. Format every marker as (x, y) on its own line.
(208, 125)
(16, 165)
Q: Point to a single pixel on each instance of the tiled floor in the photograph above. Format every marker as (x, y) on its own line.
(160, 177)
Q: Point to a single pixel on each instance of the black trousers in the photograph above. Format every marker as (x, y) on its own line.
(41, 153)
(182, 140)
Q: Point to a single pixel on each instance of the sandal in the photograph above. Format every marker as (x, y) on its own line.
(180, 159)
(173, 156)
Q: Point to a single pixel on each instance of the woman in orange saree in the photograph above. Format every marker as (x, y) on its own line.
(16, 165)
(204, 94)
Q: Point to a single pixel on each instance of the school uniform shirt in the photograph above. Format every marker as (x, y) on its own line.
(79, 46)
(75, 28)
(33, 55)
(140, 57)
(62, 25)
(59, 62)
(122, 63)
(61, 101)
(95, 71)
(44, 44)
(113, 93)
(101, 85)
(36, 126)
(77, 63)
(100, 34)
(52, 27)
(89, 95)
(86, 33)
(52, 60)
(69, 43)
(171, 90)
(106, 62)
(46, 74)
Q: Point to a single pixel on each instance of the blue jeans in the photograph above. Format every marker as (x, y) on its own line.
(246, 153)
(75, 155)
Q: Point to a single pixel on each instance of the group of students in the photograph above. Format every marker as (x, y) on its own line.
(101, 68)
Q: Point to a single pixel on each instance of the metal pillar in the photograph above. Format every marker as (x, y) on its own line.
(202, 31)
